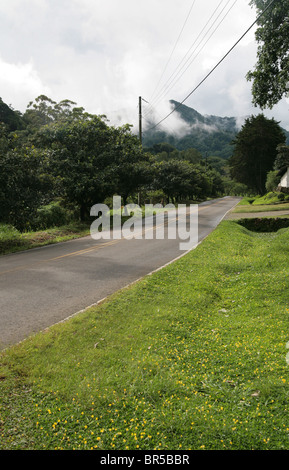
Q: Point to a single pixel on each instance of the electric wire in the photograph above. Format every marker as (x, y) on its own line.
(216, 66)
(180, 63)
(179, 67)
(172, 84)
(180, 73)
(172, 131)
(174, 48)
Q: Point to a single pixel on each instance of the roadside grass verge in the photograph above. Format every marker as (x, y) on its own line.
(272, 197)
(191, 357)
(245, 201)
(272, 201)
(11, 240)
(261, 208)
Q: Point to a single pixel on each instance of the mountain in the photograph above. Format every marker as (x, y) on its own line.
(211, 135)
(208, 123)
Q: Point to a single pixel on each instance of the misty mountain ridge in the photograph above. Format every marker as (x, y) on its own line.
(208, 122)
(211, 135)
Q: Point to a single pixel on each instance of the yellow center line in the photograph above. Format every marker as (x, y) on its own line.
(93, 248)
(75, 253)
(86, 250)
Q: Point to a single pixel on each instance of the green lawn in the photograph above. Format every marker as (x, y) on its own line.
(192, 357)
(11, 240)
(273, 201)
(261, 208)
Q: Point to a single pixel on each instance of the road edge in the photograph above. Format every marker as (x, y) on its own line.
(139, 279)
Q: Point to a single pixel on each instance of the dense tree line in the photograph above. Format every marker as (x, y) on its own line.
(57, 154)
(58, 151)
(255, 152)
(215, 143)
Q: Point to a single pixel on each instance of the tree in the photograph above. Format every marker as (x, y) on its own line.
(11, 118)
(4, 139)
(270, 76)
(163, 147)
(272, 181)
(233, 188)
(44, 111)
(132, 169)
(282, 159)
(80, 157)
(216, 182)
(24, 185)
(255, 150)
(179, 180)
(91, 161)
(191, 155)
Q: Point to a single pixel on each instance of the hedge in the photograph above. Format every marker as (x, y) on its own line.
(264, 224)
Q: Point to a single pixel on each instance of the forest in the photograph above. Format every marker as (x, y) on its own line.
(57, 161)
(210, 135)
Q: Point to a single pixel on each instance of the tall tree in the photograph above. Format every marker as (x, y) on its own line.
(132, 168)
(271, 74)
(91, 160)
(24, 185)
(255, 150)
(44, 111)
(282, 159)
(180, 179)
(80, 154)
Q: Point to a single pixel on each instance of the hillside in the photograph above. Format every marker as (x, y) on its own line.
(209, 134)
(11, 118)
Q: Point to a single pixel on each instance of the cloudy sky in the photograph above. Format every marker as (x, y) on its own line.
(105, 54)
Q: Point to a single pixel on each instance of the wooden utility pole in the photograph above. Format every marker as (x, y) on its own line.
(140, 120)
(140, 132)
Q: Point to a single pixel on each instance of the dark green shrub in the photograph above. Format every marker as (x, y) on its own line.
(281, 196)
(51, 215)
(264, 224)
(9, 236)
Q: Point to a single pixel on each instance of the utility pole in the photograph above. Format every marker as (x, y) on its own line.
(140, 133)
(140, 117)
(140, 120)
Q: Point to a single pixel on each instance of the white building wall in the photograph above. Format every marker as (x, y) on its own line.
(285, 180)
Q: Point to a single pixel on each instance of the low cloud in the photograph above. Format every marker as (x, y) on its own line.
(104, 55)
(24, 77)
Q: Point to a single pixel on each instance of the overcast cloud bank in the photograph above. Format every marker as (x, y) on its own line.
(104, 55)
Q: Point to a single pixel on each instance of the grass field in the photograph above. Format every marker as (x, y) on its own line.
(270, 202)
(11, 240)
(261, 208)
(192, 357)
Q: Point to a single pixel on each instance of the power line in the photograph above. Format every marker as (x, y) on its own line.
(176, 72)
(194, 58)
(174, 48)
(172, 131)
(217, 27)
(217, 65)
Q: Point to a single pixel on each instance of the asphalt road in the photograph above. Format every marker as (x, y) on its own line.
(43, 286)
